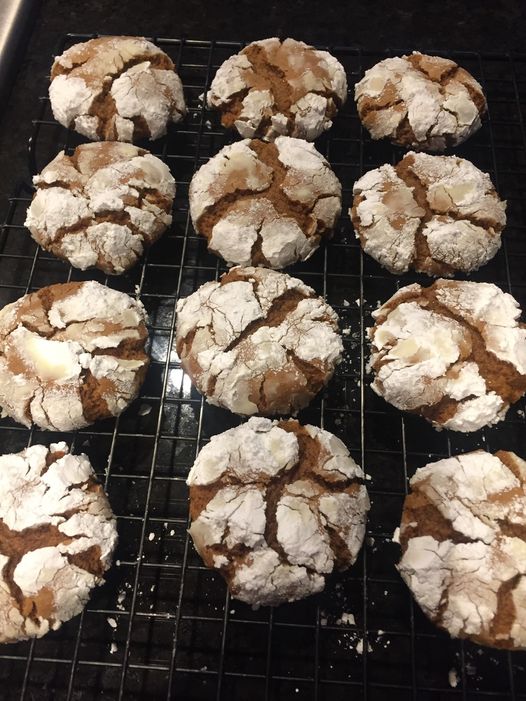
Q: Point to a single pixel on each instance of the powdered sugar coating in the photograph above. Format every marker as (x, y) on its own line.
(463, 546)
(268, 204)
(71, 354)
(436, 214)
(116, 89)
(270, 511)
(101, 206)
(57, 529)
(257, 341)
(425, 102)
(453, 352)
(273, 88)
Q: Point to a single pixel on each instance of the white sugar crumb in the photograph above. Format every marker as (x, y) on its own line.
(144, 409)
(520, 412)
(357, 302)
(112, 622)
(346, 332)
(172, 532)
(453, 678)
(113, 648)
(346, 619)
(151, 536)
(360, 647)
(396, 535)
(346, 303)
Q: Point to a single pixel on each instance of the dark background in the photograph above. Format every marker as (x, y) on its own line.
(476, 25)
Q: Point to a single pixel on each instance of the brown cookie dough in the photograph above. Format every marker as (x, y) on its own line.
(276, 507)
(274, 88)
(434, 214)
(454, 352)
(266, 204)
(257, 341)
(116, 88)
(101, 206)
(71, 354)
(57, 536)
(463, 538)
(424, 102)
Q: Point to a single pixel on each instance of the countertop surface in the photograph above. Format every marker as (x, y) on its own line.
(475, 25)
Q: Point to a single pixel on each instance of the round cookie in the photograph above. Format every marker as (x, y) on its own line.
(433, 214)
(257, 341)
(268, 204)
(116, 88)
(57, 537)
(101, 206)
(274, 88)
(464, 546)
(71, 354)
(453, 352)
(423, 102)
(276, 507)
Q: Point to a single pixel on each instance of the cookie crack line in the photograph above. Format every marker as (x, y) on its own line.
(479, 351)
(281, 306)
(418, 189)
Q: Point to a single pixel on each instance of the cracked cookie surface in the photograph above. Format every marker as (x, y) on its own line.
(265, 204)
(423, 102)
(57, 537)
(463, 538)
(116, 88)
(101, 206)
(434, 214)
(454, 352)
(71, 354)
(279, 88)
(276, 507)
(257, 341)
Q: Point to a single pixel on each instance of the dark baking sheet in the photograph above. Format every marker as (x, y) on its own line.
(177, 634)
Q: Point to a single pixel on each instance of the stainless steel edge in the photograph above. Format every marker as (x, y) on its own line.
(15, 17)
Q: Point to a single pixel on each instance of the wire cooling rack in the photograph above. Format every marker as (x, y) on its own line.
(163, 626)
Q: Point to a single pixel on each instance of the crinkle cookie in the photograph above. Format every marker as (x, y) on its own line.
(57, 537)
(257, 341)
(274, 88)
(454, 353)
(276, 507)
(116, 88)
(71, 354)
(265, 204)
(434, 214)
(423, 102)
(463, 538)
(101, 206)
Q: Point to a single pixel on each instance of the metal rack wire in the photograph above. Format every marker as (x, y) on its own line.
(162, 626)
